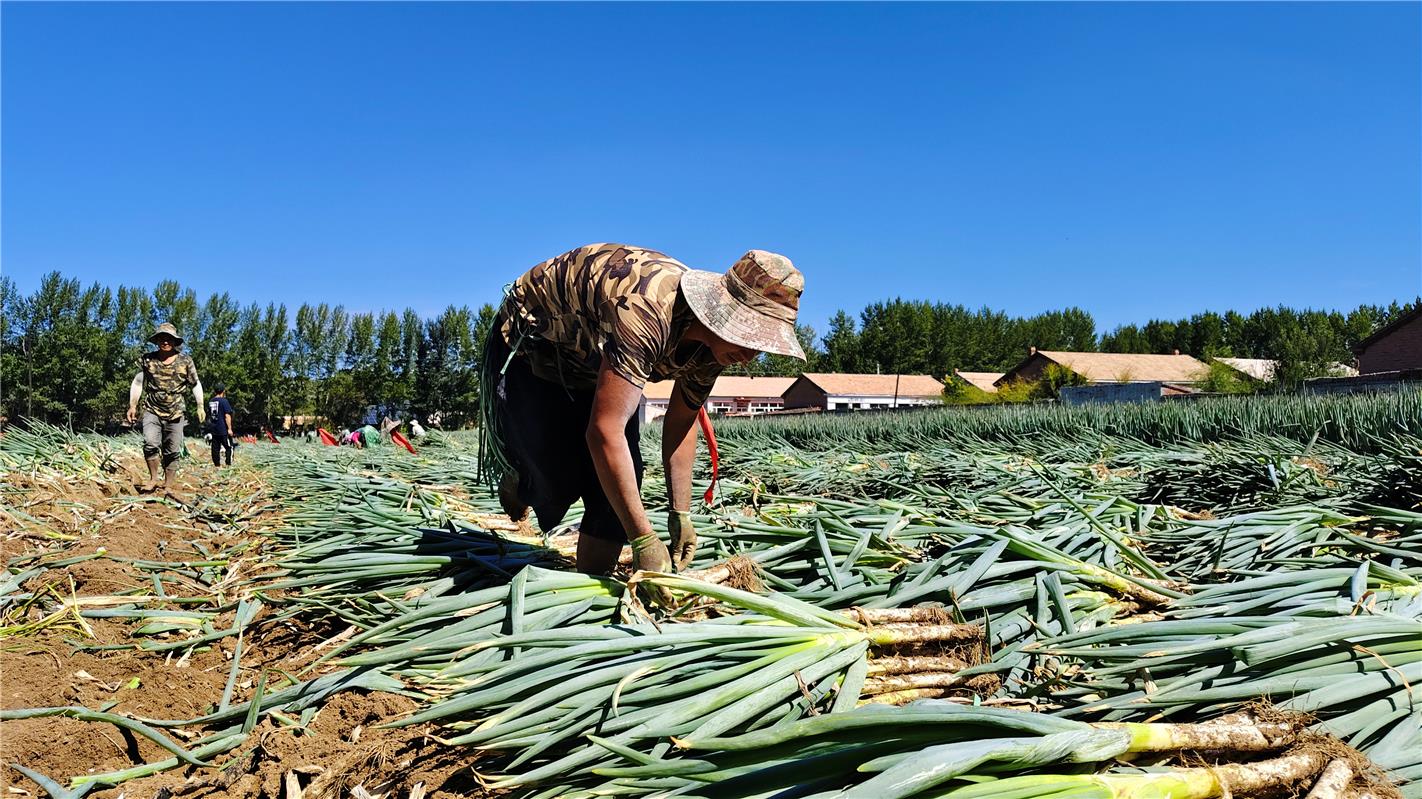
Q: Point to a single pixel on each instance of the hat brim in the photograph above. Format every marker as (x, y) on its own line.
(153, 339)
(727, 317)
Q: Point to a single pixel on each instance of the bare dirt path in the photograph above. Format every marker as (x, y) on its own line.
(111, 537)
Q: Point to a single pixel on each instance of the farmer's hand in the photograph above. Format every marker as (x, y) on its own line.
(683, 536)
(650, 554)
(132, 415)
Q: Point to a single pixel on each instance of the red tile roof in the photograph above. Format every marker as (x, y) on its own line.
(875, 385)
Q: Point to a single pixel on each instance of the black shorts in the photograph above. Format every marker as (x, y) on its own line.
(544, 429)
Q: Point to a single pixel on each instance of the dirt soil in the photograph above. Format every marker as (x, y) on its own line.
(50, 659)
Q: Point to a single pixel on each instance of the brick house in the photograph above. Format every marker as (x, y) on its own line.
(1393, 348)
(834, 392)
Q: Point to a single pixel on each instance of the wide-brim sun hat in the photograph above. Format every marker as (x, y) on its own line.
(165, 329)
(753, 305)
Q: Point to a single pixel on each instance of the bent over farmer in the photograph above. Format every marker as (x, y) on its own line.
(576, 339)
(164, 378)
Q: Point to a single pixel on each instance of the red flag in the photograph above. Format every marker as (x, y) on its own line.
(326, 438)
(399, 439)
(710, 434)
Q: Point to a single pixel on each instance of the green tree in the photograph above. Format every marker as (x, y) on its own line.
(841, 345)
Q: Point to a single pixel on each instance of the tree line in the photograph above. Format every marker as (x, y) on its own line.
(68, 351)
(936, 338)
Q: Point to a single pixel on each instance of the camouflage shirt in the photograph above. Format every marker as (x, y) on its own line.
(608, 301)
(166, 385)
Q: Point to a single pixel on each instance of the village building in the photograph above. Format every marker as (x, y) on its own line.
(835, 392)
(983, 381)
(1261, 370)
(731, 394)
(1110, 367)
(1257, 369)
(1393, 348)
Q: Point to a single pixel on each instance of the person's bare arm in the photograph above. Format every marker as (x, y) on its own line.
(227, 417)
(679, 456)
(199, 399)
(613, 404)
(135, 390)
(679, 449)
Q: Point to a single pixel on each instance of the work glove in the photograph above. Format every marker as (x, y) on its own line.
(683, 537)
(202, 414)
(650, 554)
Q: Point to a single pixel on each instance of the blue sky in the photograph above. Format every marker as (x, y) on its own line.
(1137, 160)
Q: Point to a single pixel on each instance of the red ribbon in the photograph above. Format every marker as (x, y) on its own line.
(710, 434)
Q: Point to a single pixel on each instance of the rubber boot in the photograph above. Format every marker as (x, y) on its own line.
(152, 484)
(170, 483)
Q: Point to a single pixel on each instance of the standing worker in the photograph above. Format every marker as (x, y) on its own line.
(164, 377)
(576, 339)
(219, 412)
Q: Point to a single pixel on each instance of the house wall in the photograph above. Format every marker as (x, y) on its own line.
(838, 402)
(1030, 371)
(1401, 349)
(650, 410)
(1378, 381)
(804, 394)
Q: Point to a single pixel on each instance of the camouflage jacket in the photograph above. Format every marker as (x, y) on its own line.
(166, 385)
(608, 301)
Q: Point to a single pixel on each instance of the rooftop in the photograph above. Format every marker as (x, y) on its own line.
(1257, 368)
(850, 385)
(1121, 367)
(980, 380)
(1263, 368)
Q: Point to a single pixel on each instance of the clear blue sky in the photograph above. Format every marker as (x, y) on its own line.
(1137, 160)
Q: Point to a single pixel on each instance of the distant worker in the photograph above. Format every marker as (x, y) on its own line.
(219, 414)
(415, 429)
(576, 339)
(369, 436)
(164, 378)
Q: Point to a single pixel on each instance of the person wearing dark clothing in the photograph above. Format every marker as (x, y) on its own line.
(219, 414)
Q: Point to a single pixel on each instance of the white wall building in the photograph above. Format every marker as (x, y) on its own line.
(731, 394)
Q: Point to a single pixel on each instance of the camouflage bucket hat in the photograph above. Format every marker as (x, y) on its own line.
(754, 305)
(165, 329)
